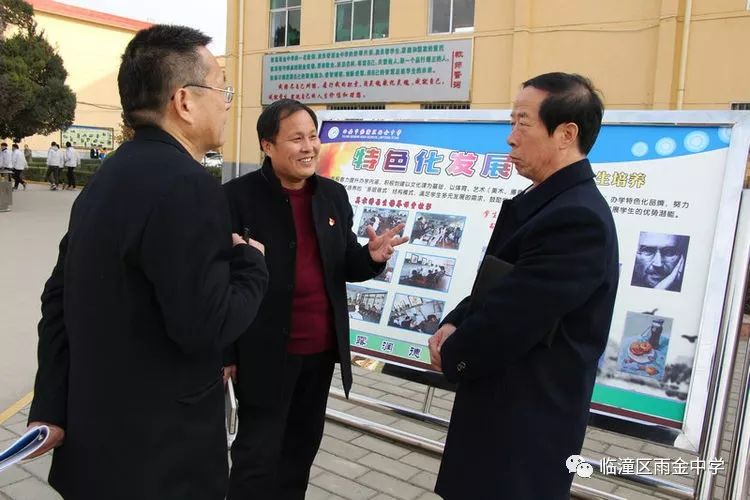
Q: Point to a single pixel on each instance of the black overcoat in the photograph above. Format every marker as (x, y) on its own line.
(146, 294)
(522, 405)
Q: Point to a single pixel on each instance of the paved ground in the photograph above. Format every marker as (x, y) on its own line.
(351, 464)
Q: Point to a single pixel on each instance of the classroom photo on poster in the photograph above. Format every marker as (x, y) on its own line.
(427, 271)
(381, 220)
(419, 314)
(365, 304)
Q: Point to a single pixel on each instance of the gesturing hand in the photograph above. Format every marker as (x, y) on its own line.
(381, 247)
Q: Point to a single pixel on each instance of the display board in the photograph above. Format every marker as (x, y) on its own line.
(672, 182)
(83, 137)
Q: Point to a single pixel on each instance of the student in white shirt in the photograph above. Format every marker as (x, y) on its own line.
(72, 160)
(18, 163)
(54, 160)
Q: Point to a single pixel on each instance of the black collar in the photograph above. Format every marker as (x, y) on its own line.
(266, 170)
(529, 203)
(156, 134)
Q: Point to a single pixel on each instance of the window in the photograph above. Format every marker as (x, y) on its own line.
(361, 19)
(285, 21)
(446, 105)
(741, 106)
(333, 107)
(451, 16)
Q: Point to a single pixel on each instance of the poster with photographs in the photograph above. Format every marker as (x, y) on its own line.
(82, 137)
(447, 181)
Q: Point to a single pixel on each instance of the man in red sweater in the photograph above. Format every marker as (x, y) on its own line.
(283, 364)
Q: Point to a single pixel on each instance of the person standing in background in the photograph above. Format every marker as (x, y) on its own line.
(54, 160)
(72, 161)
(18, 164)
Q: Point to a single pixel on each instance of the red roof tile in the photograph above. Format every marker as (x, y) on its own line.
(72, 11)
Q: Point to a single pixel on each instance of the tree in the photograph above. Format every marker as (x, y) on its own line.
(126, 133)
(33, 95)
(17, 13)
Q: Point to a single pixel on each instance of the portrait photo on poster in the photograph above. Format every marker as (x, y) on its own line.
(660, 261)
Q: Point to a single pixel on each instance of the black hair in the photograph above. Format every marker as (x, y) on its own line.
(68, 144)
(15, 145)
(155, 62)
(270, 118)
(572, 99)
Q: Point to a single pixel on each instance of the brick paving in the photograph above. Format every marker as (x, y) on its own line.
(352, 464)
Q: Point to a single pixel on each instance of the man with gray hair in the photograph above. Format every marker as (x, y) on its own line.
(150, 286)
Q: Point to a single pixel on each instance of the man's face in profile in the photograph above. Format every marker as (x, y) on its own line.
(657, 256)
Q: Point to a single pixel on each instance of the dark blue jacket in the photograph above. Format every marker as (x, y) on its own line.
(522, 405)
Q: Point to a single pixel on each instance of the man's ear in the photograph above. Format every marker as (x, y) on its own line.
(265, 146)
(183, 106)
(567, 135)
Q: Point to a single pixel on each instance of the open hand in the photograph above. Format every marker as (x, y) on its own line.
(381, 247)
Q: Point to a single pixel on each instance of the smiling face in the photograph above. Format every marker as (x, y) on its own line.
(294, 150)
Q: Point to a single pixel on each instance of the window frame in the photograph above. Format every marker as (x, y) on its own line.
(286, 9)
(451, 30)
(336, 4)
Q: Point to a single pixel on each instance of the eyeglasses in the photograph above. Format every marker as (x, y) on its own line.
(228, 91)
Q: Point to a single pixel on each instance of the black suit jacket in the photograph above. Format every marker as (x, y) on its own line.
(146, 294)
(258, 202)
(522, 406)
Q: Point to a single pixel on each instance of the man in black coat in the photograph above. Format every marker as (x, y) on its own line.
(523, 396)
(284, 363)
(149, 288)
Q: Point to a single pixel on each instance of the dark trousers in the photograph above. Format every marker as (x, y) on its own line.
(275, 447)
(18, 177)
(71, 177)
(53, 174)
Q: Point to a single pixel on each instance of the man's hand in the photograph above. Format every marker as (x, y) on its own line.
(673, 276)
(381, 247)
(436, 343)
(257, 245)
(237, 240)
(230, 371)
(55, 439)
